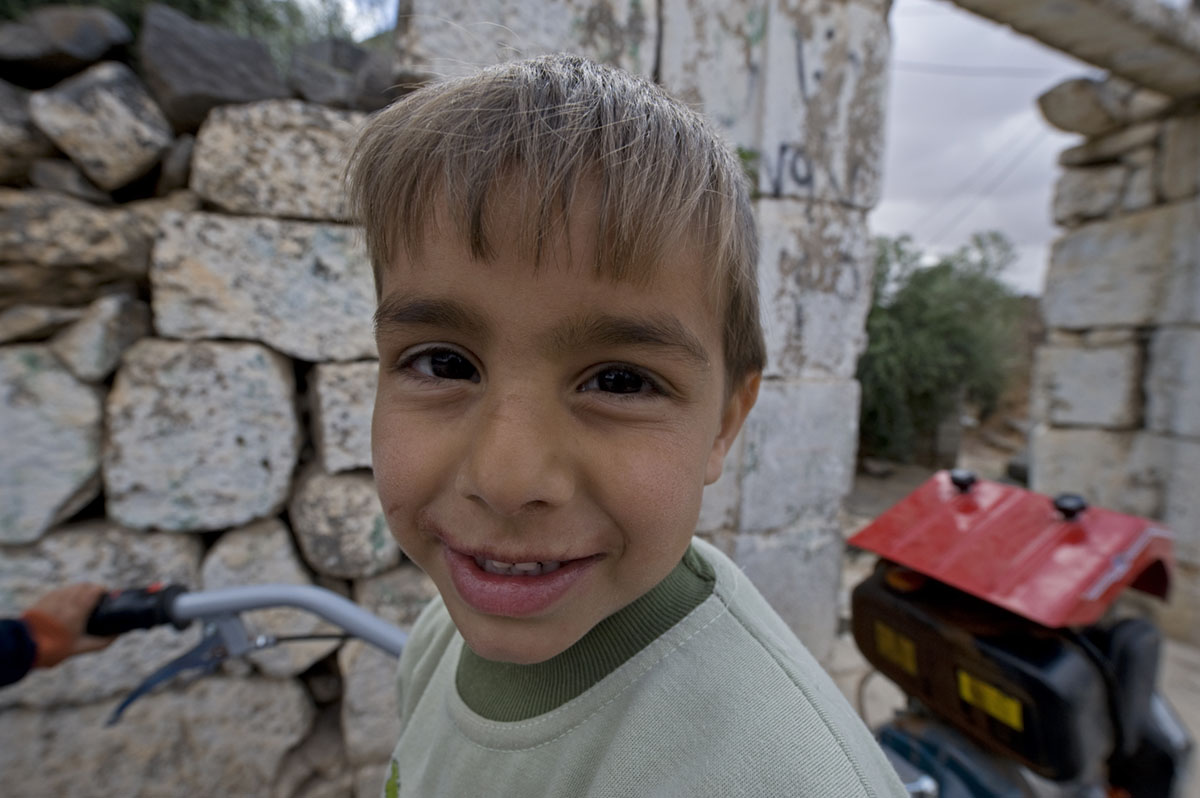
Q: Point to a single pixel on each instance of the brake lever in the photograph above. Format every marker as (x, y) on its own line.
(224, 637)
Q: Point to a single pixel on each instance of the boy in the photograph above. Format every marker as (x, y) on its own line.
(569, 342)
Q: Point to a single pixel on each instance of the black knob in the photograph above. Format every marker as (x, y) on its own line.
(1071, 505)
(963, 479)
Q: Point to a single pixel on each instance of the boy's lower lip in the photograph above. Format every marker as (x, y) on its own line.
(512, 596)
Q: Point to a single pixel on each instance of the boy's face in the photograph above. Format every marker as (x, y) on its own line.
(542, 437)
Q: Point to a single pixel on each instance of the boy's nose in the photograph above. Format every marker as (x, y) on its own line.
(517, 458)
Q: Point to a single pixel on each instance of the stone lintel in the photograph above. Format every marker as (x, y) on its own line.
(1145, 41)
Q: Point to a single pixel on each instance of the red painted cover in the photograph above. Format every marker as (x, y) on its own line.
(1012, 548)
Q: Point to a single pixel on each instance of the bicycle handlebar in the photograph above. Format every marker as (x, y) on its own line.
(336, 609)
(156, 605)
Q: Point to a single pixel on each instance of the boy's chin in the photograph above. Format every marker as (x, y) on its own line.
(520, 649)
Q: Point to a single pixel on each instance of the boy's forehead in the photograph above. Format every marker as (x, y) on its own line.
(571, 241)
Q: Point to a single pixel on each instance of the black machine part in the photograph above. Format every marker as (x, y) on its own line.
(1016, 688)
(1070, 705)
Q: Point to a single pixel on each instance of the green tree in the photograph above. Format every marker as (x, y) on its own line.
(935, 333)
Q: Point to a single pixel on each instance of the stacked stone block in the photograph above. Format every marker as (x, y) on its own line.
(187, 379)
(1117, 383)
(799, 88)
(186, 376)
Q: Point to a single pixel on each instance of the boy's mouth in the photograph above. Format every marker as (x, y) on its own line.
(513, 589)
(517, 568)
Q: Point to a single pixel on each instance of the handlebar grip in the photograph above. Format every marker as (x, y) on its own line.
(139, 608)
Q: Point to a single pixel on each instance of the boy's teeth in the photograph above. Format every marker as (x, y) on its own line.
(518, 568)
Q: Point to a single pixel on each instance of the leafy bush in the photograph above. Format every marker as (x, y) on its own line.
(936, 334)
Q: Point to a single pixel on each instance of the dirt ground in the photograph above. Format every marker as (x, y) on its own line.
(986, 452)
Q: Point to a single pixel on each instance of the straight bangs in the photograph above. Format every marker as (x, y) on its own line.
(540, 133)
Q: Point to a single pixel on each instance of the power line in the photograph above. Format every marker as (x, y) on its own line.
(970, 207)
(965, 71)
(985, 166)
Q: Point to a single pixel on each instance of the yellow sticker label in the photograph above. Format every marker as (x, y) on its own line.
(991, 700)
(896, 648)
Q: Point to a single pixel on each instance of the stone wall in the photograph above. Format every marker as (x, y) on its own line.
(186, 375)
(1116, 387)
(186, 360)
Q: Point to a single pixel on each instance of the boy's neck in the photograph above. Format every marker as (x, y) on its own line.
(503, 691)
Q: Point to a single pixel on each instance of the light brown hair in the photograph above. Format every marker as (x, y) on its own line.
(554, 124)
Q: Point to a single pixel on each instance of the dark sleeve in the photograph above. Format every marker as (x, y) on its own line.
(17, 651)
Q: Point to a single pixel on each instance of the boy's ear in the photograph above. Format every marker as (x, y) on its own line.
(737, 407)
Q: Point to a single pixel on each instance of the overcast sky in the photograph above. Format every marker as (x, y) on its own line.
(967, 149)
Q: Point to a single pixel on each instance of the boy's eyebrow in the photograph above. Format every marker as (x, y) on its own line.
(396, 312)
(610, 330)
(605, 329)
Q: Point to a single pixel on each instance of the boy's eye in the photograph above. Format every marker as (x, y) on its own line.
(618, 380)
(444, 364)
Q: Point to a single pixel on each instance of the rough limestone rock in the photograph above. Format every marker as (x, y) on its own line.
(815, 268)
(51, 425)
(218, 736)
(1140, 193)
(381, 79)
(1081, 105)
(1098, 387)
(62, 234)
(1111, 146)
(320, 83)
(1125, 471)
(370, 715)
(1083, 194)
(1179, 165)
(1123, 272)
(323, 72)
(369, 780)
(800, 88)
(176, 165)
(1183, 500)
(275, 158)
(58, 174)
(342, 398)
(773, 563)
(93, 346)
(370, 719)
(798, 462)
(106, 122)
(305, 289)
(191, 67)
(340, 525)
(1173, 382)
(34, 322)
(397, 596)
(317, 767)
(107, 554)
(263, 553)
(455, 37)
(200, 435)
(56, 40)
(21, 142)
(147, 214)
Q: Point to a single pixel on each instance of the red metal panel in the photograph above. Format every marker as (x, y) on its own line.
(1011, 547)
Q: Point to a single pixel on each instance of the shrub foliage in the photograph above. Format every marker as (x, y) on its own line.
(937, 333)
